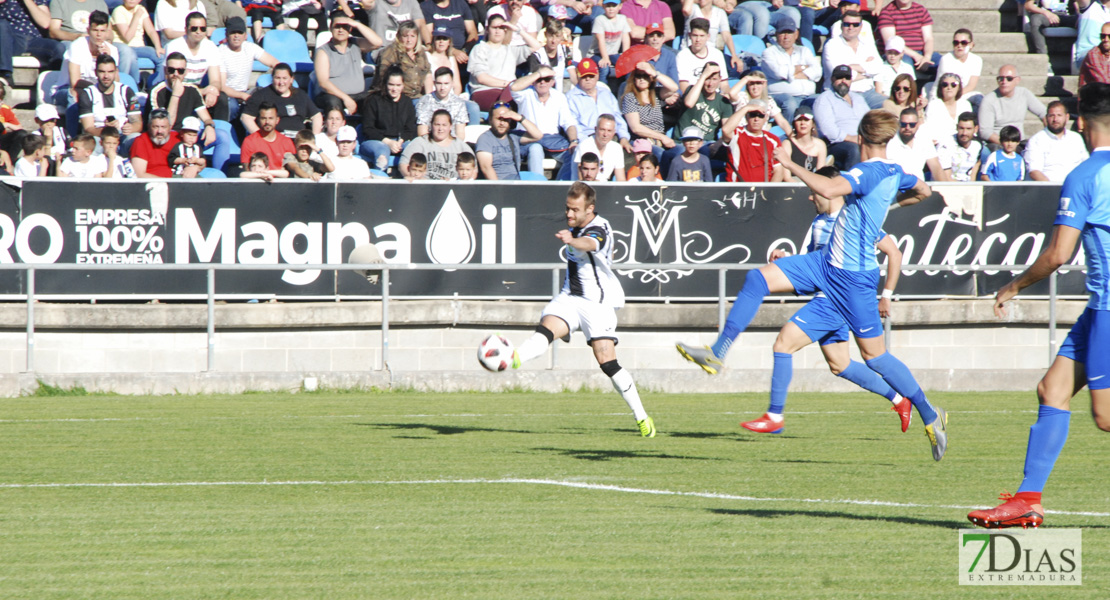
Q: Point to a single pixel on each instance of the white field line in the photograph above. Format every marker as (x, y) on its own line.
(480, 416)
(513, 480)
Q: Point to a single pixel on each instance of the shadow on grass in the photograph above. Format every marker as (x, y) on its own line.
(825, 514)
(705, 435)
(798, 461)
(438, 429)
(607, 455)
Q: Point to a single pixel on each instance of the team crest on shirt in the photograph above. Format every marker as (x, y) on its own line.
(1064, 212)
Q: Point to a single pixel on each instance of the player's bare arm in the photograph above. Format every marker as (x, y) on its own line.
(585, 244)
(1060, 250)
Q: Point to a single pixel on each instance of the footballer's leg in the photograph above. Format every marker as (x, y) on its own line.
(842, 365)
(791, 339)
(898, 376)
(767, 279)
(605, 352)
(1046, 440)
(550, 328)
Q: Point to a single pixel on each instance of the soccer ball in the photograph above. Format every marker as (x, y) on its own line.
(495, 353)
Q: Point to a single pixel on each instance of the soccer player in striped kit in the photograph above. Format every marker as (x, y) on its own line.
(846, 271)
(588, 301)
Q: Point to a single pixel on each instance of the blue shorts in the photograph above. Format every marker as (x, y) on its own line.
(1092, 330)
(852, 293)
(820, 322)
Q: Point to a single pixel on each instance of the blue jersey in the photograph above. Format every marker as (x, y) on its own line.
(820, 231)
(1084, 205)
(1000, 167)
(875, 185)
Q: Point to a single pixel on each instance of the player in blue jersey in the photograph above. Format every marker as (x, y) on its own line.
(1084, 357)
(589, 299)
(846, 270)
(819, 322)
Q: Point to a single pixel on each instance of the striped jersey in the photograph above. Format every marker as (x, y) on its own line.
(875, 185)
(590, 274)
(821, 230)
(1085, 206)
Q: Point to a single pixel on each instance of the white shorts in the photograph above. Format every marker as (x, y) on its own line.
(595, 320)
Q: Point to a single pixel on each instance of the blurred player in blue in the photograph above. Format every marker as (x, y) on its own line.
(1084, 358)
(846, 270)
(818, 321)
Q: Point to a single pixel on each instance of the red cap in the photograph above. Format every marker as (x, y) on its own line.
(653, 28)
(587, 66)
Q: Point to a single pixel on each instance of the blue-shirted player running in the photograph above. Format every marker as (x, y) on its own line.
(1084, 358)
(846, 271)
(819, 322)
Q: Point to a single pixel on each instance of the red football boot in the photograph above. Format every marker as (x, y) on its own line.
(905, 412)
(763, 424)
(1014, 512)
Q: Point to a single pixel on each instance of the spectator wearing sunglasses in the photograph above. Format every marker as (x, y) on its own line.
(941, 114)
(547, 107)
(838, 112)
(1007, 105)
(964, 63)
(861, 57)
(1096, 65)
(181, 100)
(338, 65)
(169, 17)
(203, 61)
(892, 67)
(913, 148)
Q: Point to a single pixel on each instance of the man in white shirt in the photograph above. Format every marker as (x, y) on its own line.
(608, 150)
(202, 58)
(237, 58)
(547, 107)
(792, 70)
(80, 57)
(861, 57)
(693, 58)
(912, 151)
(960, 154)
(1054, 151)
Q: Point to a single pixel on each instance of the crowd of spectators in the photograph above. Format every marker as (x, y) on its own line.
(639, 90)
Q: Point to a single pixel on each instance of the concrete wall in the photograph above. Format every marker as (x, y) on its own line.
(158, 348)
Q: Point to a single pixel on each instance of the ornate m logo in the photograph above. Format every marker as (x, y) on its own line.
(657, 228)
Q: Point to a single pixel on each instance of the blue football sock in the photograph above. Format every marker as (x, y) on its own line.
(742, 312)
(859, 374)
(1046, 440)
(896, 375)
(780, 381)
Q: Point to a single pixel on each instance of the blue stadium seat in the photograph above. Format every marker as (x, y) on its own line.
(530, 176)
(210, 173)
(145, 64)
(129, 81)
(288, 47)
(821, 30)
(219, 34)
(378, 173)
(775, 129)
(749, 44)
(808, 44)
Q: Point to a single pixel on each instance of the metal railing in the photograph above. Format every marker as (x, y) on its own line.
(386, 269)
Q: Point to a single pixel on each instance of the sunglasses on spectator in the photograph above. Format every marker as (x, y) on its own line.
(908, 124)
(197, 28)
(961, 42)
(850, 24)
(500, 104)
(1002, 78)
(346, 28)
(1104, 36)
(902, 88)
(641, 75)
(950, 84)
(755, 114)
(757, 81)
(548, 79)
(175, 70)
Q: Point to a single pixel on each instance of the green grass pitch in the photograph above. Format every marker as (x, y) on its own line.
(413, 495)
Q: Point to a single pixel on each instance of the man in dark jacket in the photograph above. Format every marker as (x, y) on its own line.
(388, 121)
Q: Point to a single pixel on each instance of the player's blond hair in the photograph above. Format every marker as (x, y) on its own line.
(583, 191)
(878, 127)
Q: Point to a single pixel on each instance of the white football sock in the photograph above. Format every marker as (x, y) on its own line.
(533, 347)
(622, 382)
(775, 417)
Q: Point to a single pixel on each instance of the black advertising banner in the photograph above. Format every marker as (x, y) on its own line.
(666, 228)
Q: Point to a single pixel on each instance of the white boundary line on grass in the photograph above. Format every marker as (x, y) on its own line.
(513, 480)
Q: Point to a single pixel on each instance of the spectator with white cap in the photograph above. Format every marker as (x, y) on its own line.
(186, 158)
(348, 166)
(46, 117)
(893, 66)
(691, 166)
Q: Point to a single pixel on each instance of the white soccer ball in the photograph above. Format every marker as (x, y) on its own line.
(495, 353)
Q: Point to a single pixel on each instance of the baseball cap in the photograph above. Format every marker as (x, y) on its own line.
(691, 133)
(191, 124)
(653, 28)
(842, 72)
(346, 134)
(46, 112)
(785, 25)
(896, 43)
(236, 25)
(611, 2)
(803, 112)
(641, 145)
(587, 66)
(849, 2)
(441, 31)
